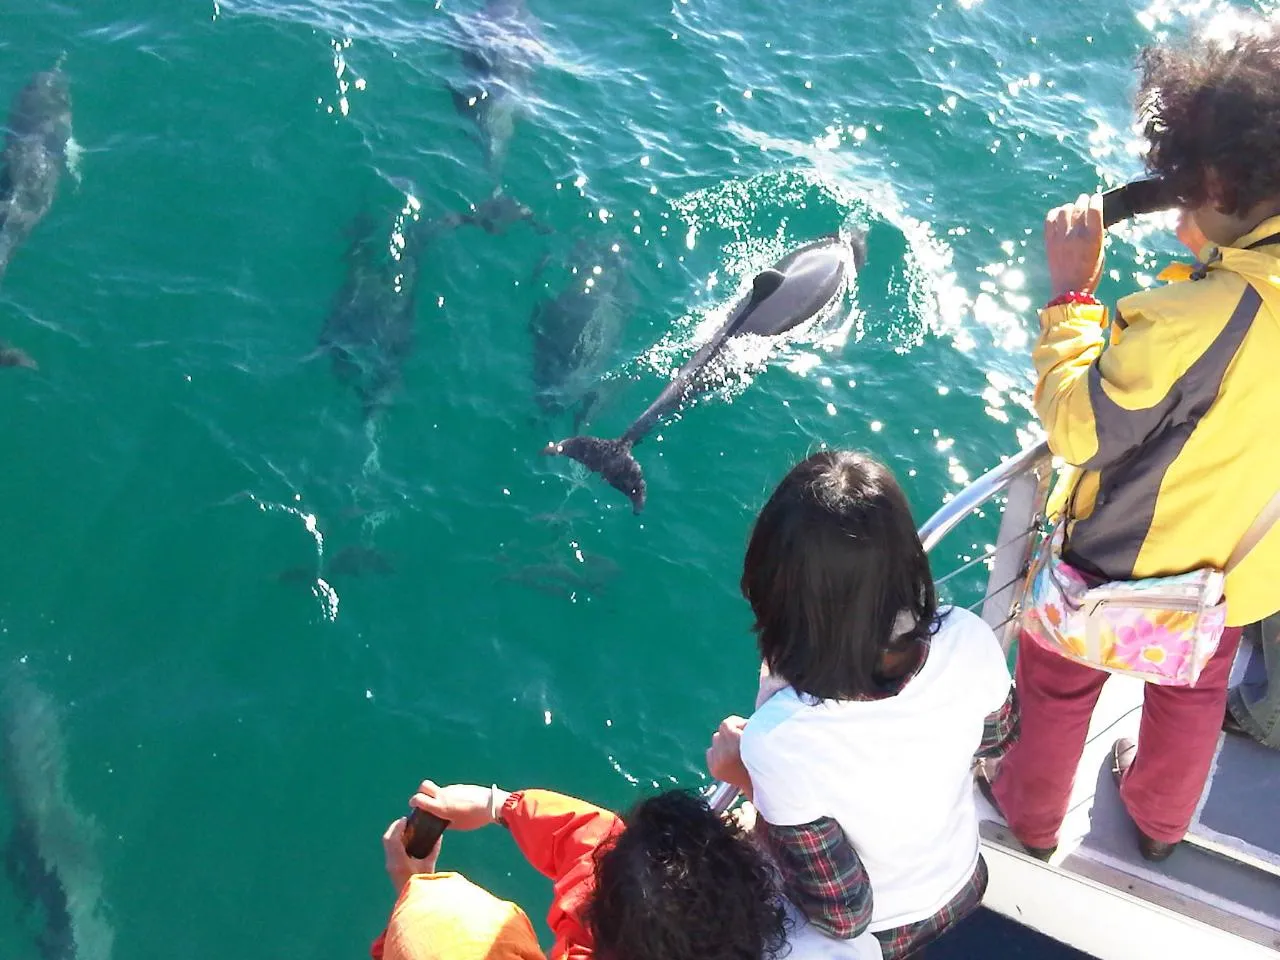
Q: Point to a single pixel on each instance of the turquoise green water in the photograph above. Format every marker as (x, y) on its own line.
(241, 740)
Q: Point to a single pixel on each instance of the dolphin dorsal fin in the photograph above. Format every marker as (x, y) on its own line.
(765, 283)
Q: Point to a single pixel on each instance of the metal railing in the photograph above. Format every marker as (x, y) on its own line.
(1026, 478)
(979, 492)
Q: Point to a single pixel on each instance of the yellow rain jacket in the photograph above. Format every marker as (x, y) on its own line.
(1174, 427)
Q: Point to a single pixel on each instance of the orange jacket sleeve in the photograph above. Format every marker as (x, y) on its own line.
(558, 836)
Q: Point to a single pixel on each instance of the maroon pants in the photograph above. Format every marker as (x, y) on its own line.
(1179, 733)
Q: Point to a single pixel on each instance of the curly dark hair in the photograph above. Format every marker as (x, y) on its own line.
(1206, 106)
(681, 883)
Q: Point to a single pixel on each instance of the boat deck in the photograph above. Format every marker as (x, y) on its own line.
(1217, 896)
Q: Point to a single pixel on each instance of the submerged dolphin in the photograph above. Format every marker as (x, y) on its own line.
(369, 331)
(11, 356)
(353, 560)
(500, 48)
(796, 289)
(35, 151)
(49, 855)
(576, 334)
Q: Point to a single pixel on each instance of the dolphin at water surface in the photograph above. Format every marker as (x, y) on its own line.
(797, 288)
(35, 152)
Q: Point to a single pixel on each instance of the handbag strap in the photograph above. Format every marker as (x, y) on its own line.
(1254, 535)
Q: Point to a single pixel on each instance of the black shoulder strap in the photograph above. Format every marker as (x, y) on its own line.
(1069, 508)
(1274, 238)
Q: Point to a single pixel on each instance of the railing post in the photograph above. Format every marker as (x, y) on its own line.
(1014, 545)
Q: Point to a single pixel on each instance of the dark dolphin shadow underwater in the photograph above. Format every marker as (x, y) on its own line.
(50, 855)
(370, 331)
(576, 333)
(500, 47)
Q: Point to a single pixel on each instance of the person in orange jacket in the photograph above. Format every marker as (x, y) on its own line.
(444, 916)
(673, 881)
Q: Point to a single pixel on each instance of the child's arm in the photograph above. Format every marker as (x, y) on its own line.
(1000, 730)
(822, 875)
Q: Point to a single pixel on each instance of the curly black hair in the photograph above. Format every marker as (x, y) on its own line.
(681, 883)
(1205, 105)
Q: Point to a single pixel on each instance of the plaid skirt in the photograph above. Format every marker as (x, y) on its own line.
(898, 943)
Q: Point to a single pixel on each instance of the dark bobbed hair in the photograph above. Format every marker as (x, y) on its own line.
(681, 883)
(1205, 105)
(833, 559)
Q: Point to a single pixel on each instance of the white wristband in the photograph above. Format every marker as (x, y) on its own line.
(493, 803)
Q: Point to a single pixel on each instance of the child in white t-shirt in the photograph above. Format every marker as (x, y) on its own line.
(873, 706)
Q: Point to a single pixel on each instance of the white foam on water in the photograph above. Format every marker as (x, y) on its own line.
(321, 589)
(75, 157)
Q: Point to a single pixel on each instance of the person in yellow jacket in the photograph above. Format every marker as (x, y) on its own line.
(1166, 425)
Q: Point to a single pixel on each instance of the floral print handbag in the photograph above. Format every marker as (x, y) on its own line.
(1161, 629)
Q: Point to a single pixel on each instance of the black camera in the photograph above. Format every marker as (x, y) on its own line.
(422, 832)
(1136, 198)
